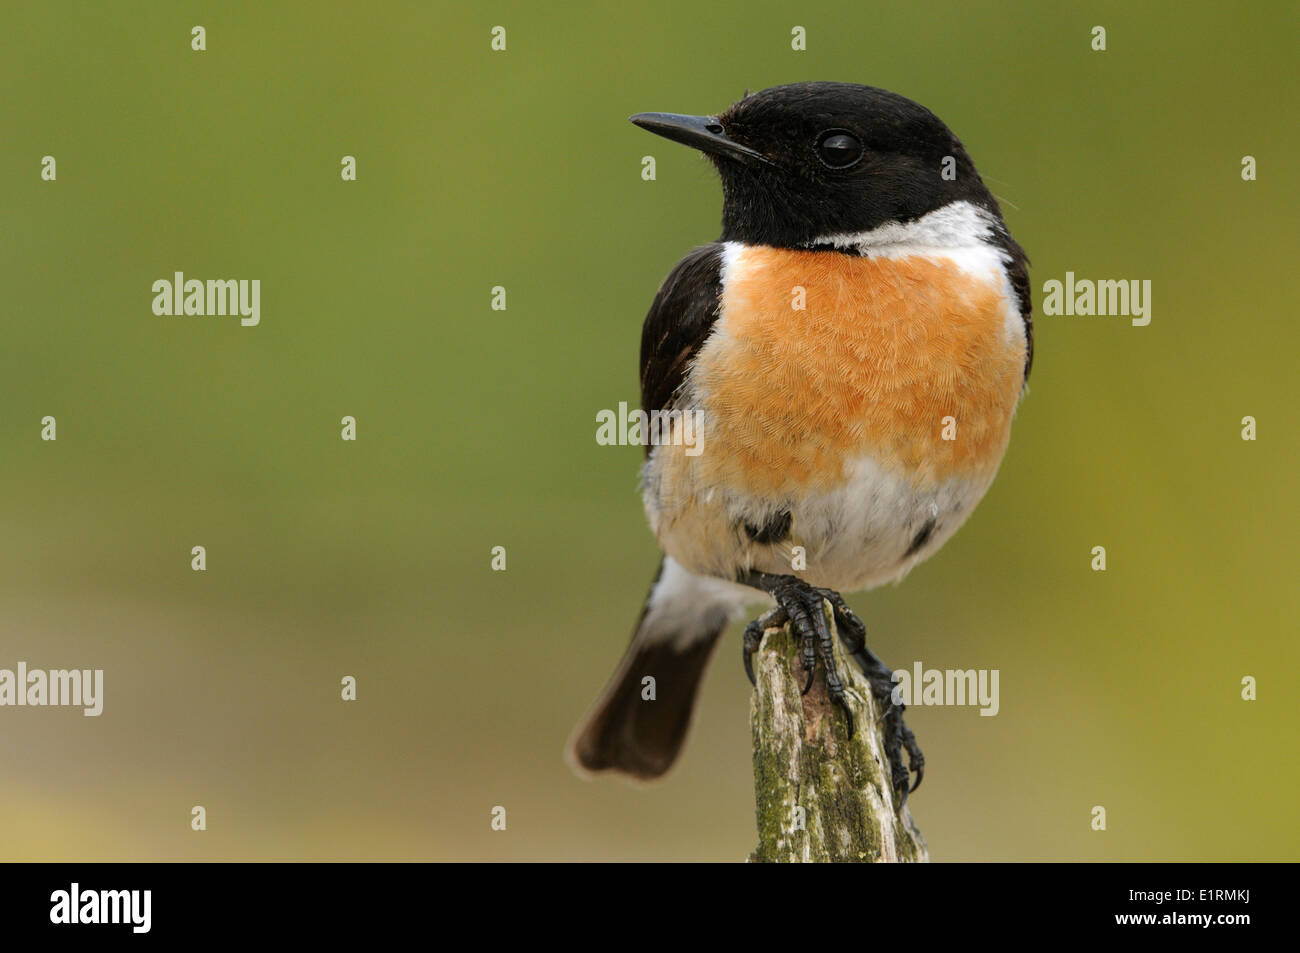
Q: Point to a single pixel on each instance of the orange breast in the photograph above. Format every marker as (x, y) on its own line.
(885, 350)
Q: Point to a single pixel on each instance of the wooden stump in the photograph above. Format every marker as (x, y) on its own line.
(805, 759)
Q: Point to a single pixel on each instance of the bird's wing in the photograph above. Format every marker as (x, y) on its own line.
(1018, 273)
(678, 324)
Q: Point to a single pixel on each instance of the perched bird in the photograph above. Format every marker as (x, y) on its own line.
(852, 350)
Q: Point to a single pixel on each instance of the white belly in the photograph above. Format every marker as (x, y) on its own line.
(876, 527)
(870, 530)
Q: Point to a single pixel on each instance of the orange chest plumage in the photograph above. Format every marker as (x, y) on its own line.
(819, 358)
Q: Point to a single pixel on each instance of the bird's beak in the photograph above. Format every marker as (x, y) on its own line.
(699, 132)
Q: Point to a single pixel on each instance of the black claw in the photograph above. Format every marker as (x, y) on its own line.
(898, 774)
(834, 687)
(898, 738)
(914, 756)
(749, 647)
(852, 630)
(754, 637)
(801, 626)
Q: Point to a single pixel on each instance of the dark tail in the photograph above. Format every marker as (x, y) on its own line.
(637, 728)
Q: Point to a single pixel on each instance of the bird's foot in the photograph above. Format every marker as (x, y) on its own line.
(802, 605)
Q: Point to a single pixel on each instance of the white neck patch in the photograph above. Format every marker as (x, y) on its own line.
(958, 225)
(961, 233)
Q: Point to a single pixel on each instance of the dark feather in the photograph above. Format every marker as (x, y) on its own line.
(678, 323)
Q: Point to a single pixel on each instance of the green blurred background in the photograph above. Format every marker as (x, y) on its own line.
(476, 427)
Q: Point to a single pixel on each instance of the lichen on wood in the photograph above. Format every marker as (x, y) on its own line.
(821, 795)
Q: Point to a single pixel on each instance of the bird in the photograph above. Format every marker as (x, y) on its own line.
(851, 350)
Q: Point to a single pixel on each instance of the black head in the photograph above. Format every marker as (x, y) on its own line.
(808, 160)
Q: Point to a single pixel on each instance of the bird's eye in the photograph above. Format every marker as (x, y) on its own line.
(838, 149)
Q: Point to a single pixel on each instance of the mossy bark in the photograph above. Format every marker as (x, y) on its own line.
(805, 759)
